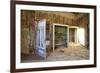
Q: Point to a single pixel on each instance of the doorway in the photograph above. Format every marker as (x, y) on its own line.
(72, 34)
(60, 36)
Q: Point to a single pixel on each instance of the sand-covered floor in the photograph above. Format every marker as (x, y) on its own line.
(73, 52)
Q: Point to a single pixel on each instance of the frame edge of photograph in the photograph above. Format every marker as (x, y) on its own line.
(13, 35)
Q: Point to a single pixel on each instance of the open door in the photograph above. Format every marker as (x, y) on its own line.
(41, 39)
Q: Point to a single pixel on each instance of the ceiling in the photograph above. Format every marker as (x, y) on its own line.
(69, 15)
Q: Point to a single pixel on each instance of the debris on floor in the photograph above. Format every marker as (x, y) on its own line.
(73, 52)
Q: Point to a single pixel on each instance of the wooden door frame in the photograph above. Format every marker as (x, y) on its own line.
(55, 24)
(68, 26)
(76, 27)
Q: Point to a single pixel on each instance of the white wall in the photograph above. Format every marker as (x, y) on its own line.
(81, 36)
(5, 36)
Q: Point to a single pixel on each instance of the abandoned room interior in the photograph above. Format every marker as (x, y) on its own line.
(54, 36)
